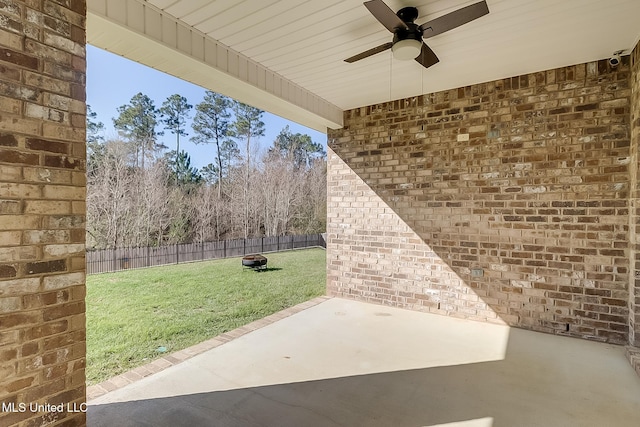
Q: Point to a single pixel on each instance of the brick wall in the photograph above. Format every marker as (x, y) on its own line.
(634, 218)
(42, 209)
(504, 201)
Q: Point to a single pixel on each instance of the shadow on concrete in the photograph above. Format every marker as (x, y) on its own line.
(422, 397)
(532, 386)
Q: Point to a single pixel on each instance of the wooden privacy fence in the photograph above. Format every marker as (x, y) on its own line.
(106, 260)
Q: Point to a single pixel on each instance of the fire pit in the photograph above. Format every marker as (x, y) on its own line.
(256, 261)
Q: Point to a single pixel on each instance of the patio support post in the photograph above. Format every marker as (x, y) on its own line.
(633, 351)
(42, 211)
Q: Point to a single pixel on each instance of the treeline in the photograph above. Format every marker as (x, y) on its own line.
(139, 193)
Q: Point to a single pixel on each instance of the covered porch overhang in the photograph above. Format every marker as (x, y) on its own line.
(139, 32)
(287, 57)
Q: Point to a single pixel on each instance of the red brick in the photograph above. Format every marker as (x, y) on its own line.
(63, 340)
(12, 25)
(19, 319)
(46, 266)
(15, 91)
(46, 389)
(65, 310)
(8, 140)
(9, 72)
(8, 156)
(8, 355)
(7, 270)
(78, 92)
(19, 384)
(47, 145)
(17, 58)
(47, 329)
(62, 162)
(77, 34)
(29, 349)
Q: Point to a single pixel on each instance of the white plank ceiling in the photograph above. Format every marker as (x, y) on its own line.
(301, 44)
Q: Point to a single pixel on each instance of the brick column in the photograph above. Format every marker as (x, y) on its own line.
(634, 216)
(42, 212)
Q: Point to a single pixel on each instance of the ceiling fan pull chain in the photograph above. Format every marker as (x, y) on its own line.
(390, 78)
(390, 93)
(422, 96)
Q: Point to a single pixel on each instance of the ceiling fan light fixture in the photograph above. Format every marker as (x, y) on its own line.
(407, 49)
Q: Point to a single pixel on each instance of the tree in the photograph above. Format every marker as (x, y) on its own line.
(247, 125)
(210, 174)
(280, 191)
(299, 147)
(154, 214)
(137, 122)
(312, 213)
(94, 128)
(180, 228)
(95, 140)
(209, 215)
(109, 198)
(230, 155)
(174, 114)
(272, 192)
(211, 125)
(182, 173)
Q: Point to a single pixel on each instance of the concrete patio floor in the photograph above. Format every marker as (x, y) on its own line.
(347, 363)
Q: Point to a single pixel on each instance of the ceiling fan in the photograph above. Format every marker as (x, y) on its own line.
(408, 36)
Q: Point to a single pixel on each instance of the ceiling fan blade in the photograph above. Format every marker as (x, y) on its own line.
(427, 57)
(369, 52)
(386, 16)
(454, 19)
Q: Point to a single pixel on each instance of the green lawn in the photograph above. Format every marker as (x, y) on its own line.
(132, 314)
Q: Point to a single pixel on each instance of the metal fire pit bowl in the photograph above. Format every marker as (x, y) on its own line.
(256, 262)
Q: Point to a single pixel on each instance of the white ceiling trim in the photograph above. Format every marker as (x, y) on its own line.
(160, 41)
(287, 56)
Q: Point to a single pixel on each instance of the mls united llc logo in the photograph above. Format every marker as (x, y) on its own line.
(42, 407)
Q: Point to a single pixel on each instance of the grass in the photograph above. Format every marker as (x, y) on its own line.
(133, 316)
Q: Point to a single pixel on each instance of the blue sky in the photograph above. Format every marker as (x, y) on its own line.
(112, 81)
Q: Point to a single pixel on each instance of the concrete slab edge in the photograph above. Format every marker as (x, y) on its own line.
(633, 355)
(180, 356)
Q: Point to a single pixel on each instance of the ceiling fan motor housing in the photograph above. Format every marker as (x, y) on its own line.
(413, 31)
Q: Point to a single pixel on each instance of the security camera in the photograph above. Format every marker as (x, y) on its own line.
(614, 60)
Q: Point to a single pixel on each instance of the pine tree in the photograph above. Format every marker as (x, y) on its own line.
(211, 126)
(137, 123)
(299, 147)
(174, 114)
(182, 173)
(95, 140)
(248, 124)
